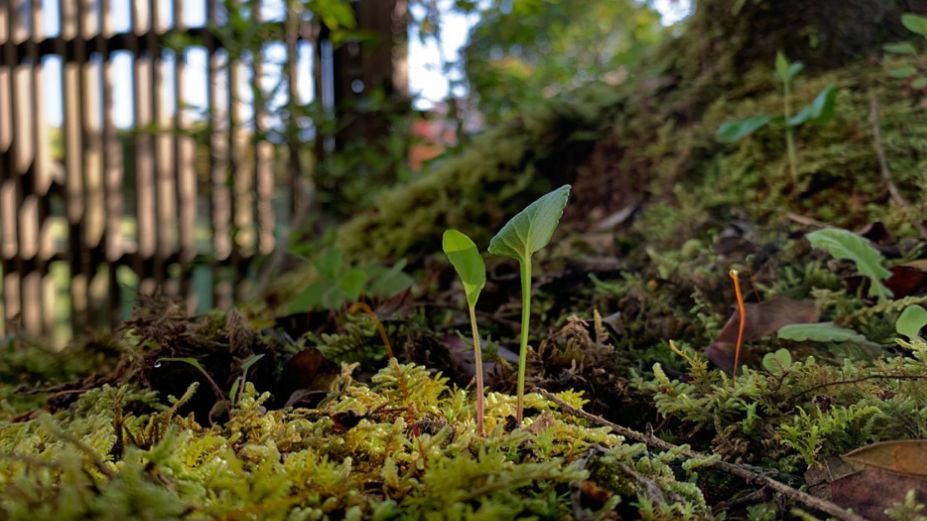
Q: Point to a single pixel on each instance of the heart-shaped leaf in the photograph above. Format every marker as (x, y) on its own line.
(467, 261)
(777, 362)
(734, 131)
(821, 110)
(820, 332)
(843, 244)
(532, 228)
(352, 283)
(911, 321)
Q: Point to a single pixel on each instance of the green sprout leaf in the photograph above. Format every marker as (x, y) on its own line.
(386, 282)
(524, 234)
(919, 83)
(777, 362)
(911, 321)
(903, 72)
(786, 70)
(821, 110)
(734, 131)
(915, 23)
(352, 283)
(842, 244)
(900, 48)
(820, 332)
(532, 228)
(467, 261)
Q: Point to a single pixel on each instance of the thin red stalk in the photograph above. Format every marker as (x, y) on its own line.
(740, 328)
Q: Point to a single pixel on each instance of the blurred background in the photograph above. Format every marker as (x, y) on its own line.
(188, 147)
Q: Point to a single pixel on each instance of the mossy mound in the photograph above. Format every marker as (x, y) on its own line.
(119, 453)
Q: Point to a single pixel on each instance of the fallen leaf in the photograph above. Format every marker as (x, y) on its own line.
(762, 319)
(902, 457)
(908, 279)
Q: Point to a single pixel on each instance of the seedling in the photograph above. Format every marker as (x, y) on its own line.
(916, 73)
(521, 237)
(466, 259)
(820, 111)
(911, 321)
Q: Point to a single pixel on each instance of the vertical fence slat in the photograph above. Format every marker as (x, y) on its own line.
(238, 173)
(74, 162)
(112, 167)
(144, 167)
(42, 174)
(8, 233)
(220, 200)
(263, 153)
(162, 151)
(183, 167)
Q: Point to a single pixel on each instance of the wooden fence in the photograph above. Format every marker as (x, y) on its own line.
(90, 212)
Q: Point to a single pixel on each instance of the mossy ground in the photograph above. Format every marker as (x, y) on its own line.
(109, 430)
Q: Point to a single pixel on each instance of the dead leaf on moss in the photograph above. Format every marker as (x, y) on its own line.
(908, 279)
(762, 319)
(902, 457)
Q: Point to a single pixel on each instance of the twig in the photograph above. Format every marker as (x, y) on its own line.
(737, 470)
(862, 379)
(886, 172)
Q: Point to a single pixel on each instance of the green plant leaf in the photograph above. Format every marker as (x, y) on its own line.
(352, 283)
(251, 360)
(915, 23)
(329, 263)
(734, 131)
(386, 282)
(900, 48)
(467, 261)
(903, 72)
(777, 362)
(911, 321)
(186, 360)
(843, 244)
(821, 110)
(919, 83)
(820, 332)
(786, 70)
(531, 229)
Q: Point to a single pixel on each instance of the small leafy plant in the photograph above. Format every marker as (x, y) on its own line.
(338, 284)
(520, 238)
(917, 71)
(843, 244)
(820, 111)
(466, 259)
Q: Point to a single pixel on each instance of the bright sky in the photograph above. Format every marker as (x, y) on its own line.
(426, 80)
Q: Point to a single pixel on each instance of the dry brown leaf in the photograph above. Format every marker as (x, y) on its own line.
(902, 457)
(762, 319)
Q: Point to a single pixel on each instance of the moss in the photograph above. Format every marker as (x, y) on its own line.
(314, 464)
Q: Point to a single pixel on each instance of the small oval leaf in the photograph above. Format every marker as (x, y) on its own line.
(820, 332)
(467, 261)
(911, 321)
(734, 131)
(532, 228)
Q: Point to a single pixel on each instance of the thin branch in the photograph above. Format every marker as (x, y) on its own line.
(862, 379)
(740, 471)
(886, 172)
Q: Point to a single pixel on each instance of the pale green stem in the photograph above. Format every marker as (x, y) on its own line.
(790, 134)
(525, 319)
(478, 361)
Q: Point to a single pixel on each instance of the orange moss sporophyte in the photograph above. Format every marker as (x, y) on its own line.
(740, 328)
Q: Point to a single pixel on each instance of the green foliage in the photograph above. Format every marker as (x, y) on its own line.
(820, 332)
(843, 244)
(734, 131)
(526, 233)
(337, 283)
(911, 321)
(467, 261)
(915, 72)
(531, 229)
(357, 342)
(778, 361)
(302, 464)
